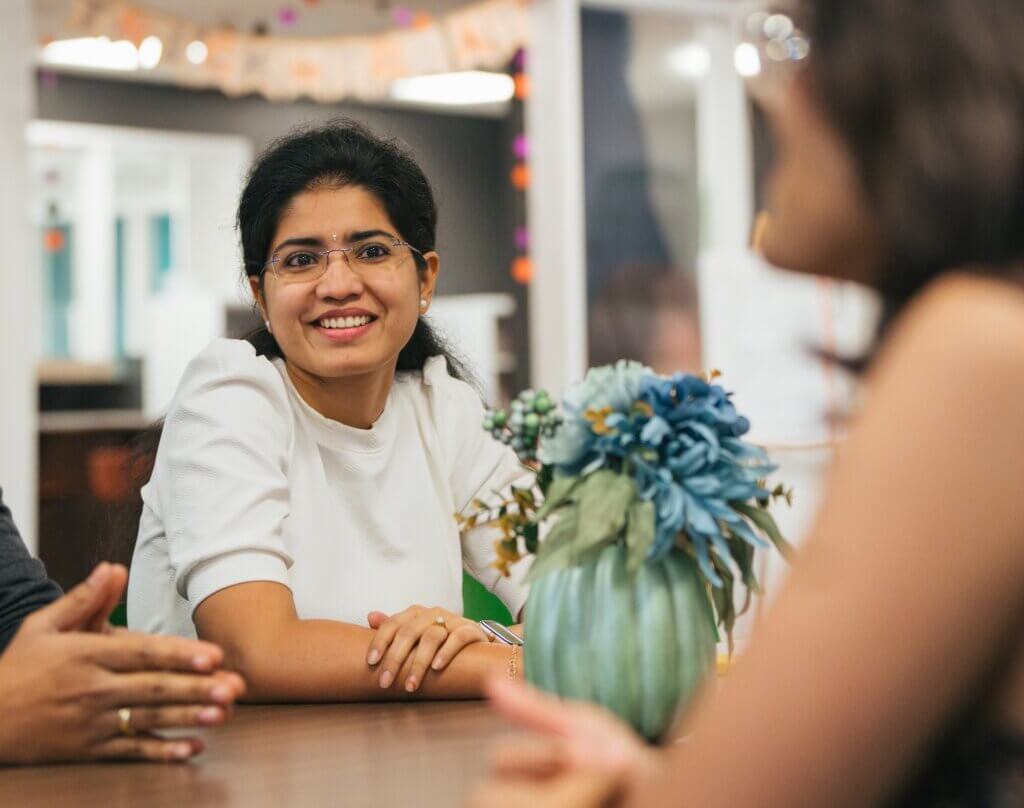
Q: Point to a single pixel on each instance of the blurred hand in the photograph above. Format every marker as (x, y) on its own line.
(61, 687)
(416, 631)
(578, 739)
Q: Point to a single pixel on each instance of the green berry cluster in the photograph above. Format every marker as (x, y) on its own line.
(530, 416)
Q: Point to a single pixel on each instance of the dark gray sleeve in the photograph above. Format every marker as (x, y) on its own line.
(24, 586)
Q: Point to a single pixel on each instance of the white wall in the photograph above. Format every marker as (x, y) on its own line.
(724, 156)
(471, 324)
(19, 294)
(92, 309)
(555, 204)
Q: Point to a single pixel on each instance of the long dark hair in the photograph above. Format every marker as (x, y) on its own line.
(928, 95)
(341, 152)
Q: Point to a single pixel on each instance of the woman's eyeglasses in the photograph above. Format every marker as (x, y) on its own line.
(366, 258)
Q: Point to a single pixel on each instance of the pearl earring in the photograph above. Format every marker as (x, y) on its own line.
(423, 303)
(267, 324)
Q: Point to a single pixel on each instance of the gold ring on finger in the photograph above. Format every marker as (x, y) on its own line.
(440, 621)
(124, 721)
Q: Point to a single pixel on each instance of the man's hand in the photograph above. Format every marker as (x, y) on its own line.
(61, 686)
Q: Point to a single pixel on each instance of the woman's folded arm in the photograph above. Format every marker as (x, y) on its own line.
(285, 658)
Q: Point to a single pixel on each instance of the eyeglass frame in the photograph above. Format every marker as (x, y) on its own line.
(326, 255)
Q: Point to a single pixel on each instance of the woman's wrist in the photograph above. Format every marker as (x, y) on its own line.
(482, 662)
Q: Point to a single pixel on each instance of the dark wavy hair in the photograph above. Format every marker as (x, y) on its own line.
(928, 95)
(339, 153)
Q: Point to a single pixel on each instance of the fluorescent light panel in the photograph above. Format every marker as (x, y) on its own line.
(691, 61)
(92, 52)
(747, 60)
(150, 51)
(455, 89)
(100, 53)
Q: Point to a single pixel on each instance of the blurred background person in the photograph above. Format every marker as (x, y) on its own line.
(647, 311)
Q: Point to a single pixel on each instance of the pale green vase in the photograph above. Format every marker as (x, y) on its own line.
(639, 644)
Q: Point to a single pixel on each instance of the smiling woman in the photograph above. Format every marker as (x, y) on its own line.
(303, 495)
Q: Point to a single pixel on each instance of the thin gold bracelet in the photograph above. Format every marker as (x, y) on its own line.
(513, 667)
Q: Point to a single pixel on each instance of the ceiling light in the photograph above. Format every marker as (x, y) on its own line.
(150, 51)
(196, 52)
(778, 26)
(455, 89)
(747, 60)
(692, 60)
(799, 47)
(92, 52)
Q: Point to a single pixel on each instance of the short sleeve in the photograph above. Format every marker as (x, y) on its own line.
(479, 466)
(220, 475)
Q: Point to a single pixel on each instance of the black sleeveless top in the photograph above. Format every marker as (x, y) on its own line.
(986, 771)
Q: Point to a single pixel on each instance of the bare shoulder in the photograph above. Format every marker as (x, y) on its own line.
(942, 415)
(966, 329)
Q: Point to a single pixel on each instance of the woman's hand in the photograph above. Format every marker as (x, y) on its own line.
(586, 759)
(61, 688)
(579, 738)
(420, 632)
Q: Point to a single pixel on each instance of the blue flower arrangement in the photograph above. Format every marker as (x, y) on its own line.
(658, 463)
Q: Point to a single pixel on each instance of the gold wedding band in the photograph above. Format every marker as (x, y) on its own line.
(124, 721)
(440, 621)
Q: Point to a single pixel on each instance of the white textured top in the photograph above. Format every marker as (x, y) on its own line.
(252, 484)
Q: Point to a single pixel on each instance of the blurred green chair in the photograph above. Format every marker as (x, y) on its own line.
(480, 604)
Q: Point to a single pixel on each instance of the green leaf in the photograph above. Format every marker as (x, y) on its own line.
(558, 494)
(561, 558)
(604, 499)
(544, 478)
(523, 497)
(766, 523)
(743, 553)
(557, 549)
(710, 594)
(639, 533)
(530, 533)
(725, 605)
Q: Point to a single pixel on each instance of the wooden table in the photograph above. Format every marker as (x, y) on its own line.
(378, 755)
